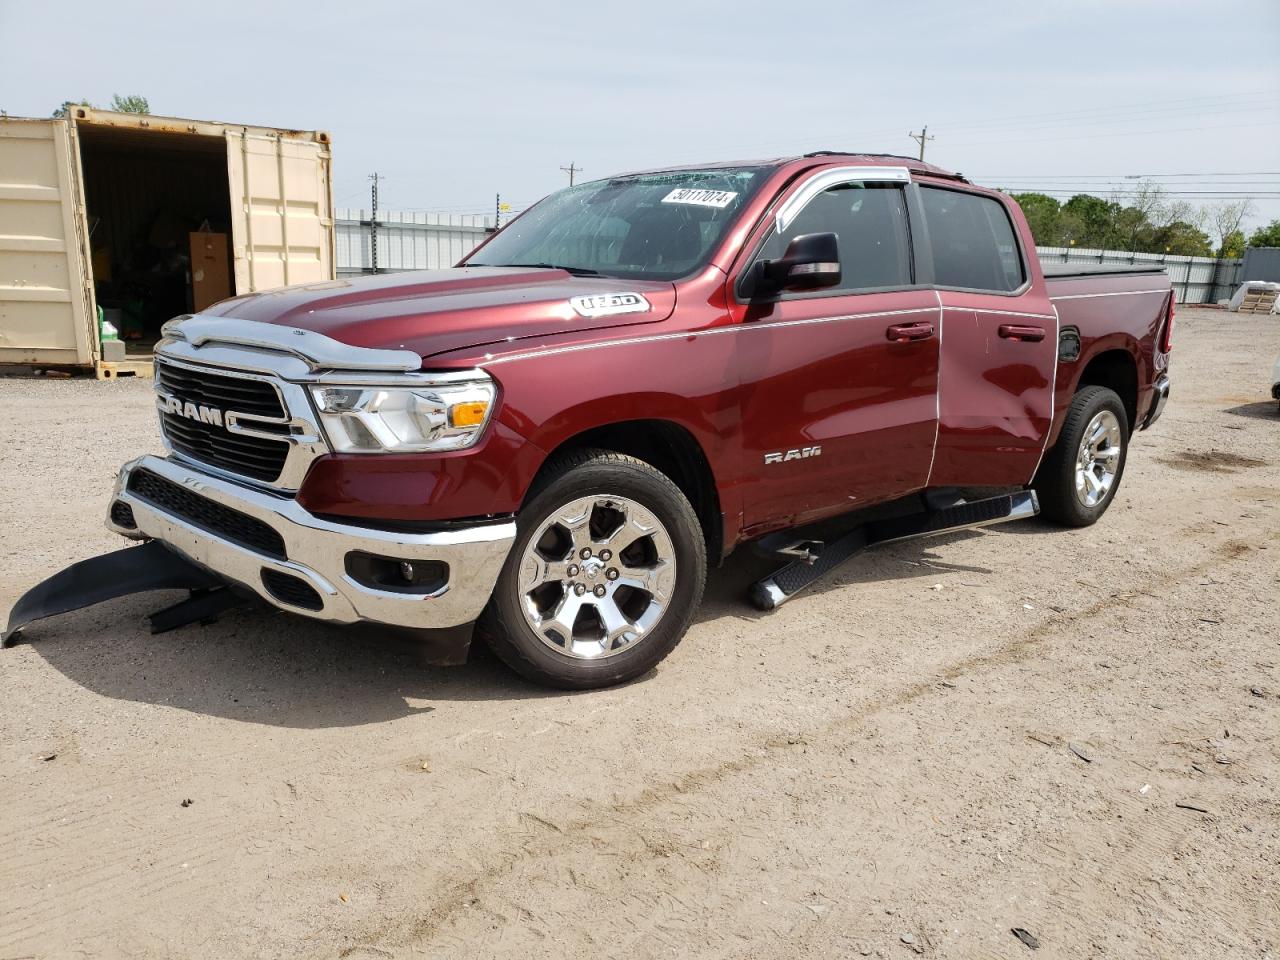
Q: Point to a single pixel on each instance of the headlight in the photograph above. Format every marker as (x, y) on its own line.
(404, 419)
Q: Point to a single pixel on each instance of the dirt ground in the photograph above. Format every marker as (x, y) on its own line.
(1072, 732)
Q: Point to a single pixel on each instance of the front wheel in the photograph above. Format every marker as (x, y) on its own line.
(606, 571)
(1080, 476)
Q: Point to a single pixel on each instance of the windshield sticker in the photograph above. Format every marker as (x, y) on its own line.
(609, 304)
(701, 198)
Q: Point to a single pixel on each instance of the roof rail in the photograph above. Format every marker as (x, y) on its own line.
(859, 153)
(930, 168)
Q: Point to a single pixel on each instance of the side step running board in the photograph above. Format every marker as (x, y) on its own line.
(779, 587)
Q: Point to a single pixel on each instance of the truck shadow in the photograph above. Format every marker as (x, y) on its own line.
(260, 666)
(1263, 410)
(727, 587)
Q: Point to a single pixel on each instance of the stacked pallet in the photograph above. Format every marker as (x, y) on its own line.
(1255, 297)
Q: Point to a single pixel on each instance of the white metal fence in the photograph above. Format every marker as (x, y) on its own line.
(431, 241)
(1194, 279)
(406, 241)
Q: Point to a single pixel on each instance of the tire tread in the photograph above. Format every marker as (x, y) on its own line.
(494, 624)
(1054, 482)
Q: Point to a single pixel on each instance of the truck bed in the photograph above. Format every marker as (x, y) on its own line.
(1058, 271)
(1112, 307)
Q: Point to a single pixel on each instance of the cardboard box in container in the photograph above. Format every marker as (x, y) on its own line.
(210, 273)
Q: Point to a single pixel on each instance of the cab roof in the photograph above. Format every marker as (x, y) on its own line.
(815, 157)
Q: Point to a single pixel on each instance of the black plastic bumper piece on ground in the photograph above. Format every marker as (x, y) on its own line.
(152, 566)
(779, 587)
(203, 606)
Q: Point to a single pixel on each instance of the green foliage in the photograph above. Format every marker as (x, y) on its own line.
(1180, 239)
(1232, 245)
(1268, 236)
(65, 109)
(1147, 226)
(132, 103)
(1044, 216)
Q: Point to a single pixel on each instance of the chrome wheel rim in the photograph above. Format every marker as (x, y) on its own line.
(596, 577)
(1098, 460)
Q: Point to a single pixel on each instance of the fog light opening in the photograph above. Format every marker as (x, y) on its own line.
(397, 574)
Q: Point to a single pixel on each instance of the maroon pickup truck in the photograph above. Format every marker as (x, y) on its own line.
(553, 441)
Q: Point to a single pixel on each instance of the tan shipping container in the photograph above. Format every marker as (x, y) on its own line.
(99, 207)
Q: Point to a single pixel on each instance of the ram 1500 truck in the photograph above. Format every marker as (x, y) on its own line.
(555, 439)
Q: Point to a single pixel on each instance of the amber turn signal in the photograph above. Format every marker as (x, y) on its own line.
(470, 414)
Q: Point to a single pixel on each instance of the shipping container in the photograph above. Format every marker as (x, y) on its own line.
(148, 217)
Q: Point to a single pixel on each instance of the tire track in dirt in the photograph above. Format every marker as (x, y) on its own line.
(578, 833)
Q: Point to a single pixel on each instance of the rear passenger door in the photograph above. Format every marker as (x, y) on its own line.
(999, 342)
(838, 385)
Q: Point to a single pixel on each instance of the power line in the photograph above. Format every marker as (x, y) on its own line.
(1133, 176)
(1098, 136)
(1187, 106)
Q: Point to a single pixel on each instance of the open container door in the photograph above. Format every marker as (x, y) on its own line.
(281, 209)
(47, 312)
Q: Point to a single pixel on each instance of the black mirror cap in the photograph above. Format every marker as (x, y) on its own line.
(812, 261)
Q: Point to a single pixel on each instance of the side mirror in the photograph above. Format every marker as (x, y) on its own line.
(812, 261)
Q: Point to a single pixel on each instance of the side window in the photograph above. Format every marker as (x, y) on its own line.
(972, 240)
(870, 222)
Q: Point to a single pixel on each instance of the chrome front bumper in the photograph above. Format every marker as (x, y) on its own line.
(317, 552)
(1160, 399)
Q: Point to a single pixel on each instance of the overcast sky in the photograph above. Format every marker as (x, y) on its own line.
(454, 103)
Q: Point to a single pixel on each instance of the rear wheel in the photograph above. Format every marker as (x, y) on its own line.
(606, 571)
(1080, 476)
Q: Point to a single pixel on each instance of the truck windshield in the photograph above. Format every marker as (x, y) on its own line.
(653, 226)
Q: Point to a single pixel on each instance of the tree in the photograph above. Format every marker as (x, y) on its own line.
(1225, 219)
(1044, 217)
(1180, 239)
(1268, 236)
(133, 103)
(1232, 245)
(1095, 219)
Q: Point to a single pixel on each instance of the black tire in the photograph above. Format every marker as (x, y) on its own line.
(1055, 483)
(581, 474)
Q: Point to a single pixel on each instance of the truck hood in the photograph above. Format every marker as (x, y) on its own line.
(437, 311)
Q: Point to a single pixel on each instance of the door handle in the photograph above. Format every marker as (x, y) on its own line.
(906, 332)
(1018, 333)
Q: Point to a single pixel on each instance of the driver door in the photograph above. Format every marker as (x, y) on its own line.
(839, 386)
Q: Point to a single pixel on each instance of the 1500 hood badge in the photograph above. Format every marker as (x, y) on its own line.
(609, 304)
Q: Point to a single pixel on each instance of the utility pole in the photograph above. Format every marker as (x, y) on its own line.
(571, 170)
(922, 137)
(373, 221)
(497, 210)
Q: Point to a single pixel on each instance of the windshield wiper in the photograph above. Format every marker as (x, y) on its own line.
(576, 271)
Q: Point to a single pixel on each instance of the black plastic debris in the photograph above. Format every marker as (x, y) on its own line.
(1027, 937)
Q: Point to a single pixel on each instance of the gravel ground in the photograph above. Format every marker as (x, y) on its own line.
(1070, 732)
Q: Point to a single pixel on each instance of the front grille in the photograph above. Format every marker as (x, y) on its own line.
(292, 590)
(177, 500)
(220, 390)
(255, 457)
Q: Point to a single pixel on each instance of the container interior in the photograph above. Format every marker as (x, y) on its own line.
(146, 194)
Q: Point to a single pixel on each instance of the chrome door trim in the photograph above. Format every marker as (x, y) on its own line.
(833, 176)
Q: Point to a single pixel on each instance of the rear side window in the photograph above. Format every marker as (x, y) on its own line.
(870, 224)
(972, 240)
